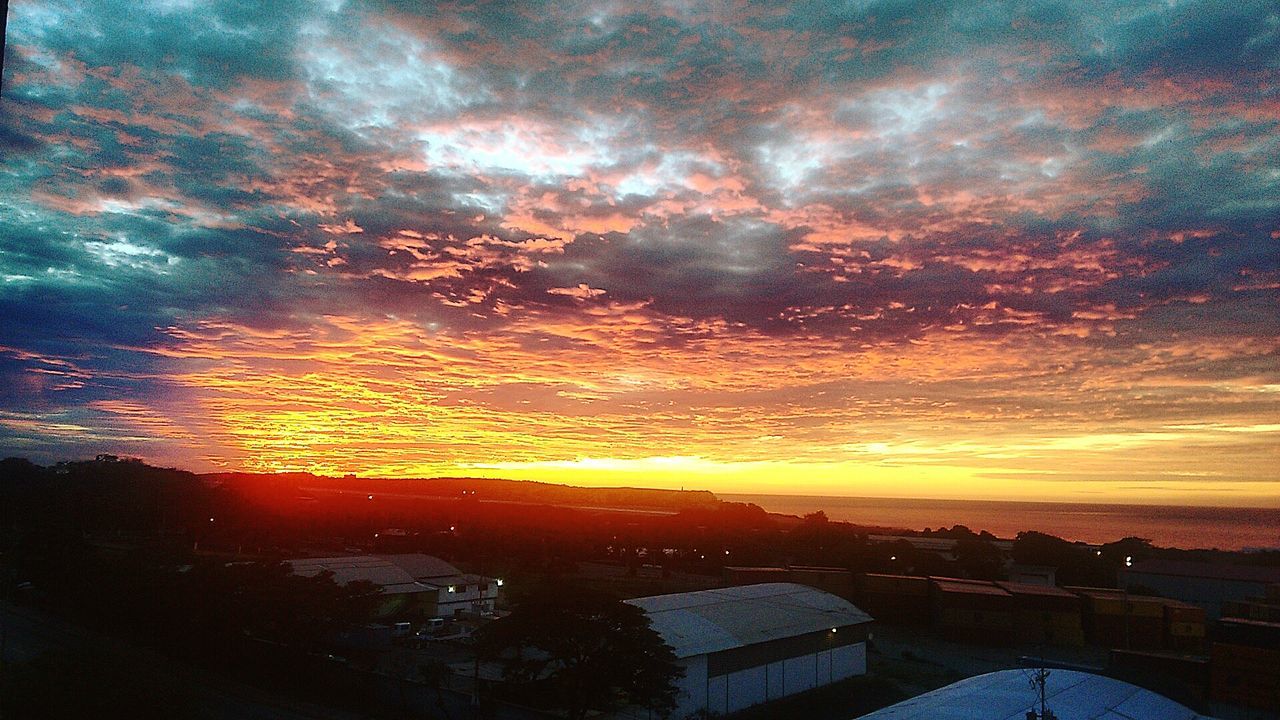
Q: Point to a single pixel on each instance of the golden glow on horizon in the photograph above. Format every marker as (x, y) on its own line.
(946, 416)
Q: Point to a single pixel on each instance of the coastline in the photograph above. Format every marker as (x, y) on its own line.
(1185, 527)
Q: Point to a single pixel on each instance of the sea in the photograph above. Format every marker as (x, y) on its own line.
(1165, 525)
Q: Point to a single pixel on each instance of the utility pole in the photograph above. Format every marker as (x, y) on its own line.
(1038, 682)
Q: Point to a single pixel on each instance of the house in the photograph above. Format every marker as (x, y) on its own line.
(745, 645)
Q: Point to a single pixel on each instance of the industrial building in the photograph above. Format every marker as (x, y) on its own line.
(1012, 695)
(741, 646)
(414, 586)
(1209, 585)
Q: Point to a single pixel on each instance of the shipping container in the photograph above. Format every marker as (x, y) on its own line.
(894, 584)
(1245, 675)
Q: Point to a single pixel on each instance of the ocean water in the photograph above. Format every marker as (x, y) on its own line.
(1165, 525)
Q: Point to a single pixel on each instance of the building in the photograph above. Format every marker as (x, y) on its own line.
(1033, 574)
(741, 646)
(943, 547)
(1008, 695)
(414, 586)
(1206, 584)
(734, 575)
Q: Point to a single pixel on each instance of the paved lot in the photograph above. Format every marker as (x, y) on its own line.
(918, 661)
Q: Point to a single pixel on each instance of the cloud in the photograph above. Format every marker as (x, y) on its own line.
(597, 210)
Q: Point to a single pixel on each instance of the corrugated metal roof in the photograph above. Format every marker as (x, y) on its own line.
(1009, 694)
(707, 621)
(970, 587)
(423, 567)
(1018, 588)
(377, 569)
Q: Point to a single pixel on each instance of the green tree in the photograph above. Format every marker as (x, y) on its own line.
(590, 651)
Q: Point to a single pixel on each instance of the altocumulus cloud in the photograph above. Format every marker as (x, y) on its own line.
(571, 228)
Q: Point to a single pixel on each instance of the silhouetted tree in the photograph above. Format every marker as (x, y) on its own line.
(1076, 563)
(72, 685)
(593, 652)
(979, 559)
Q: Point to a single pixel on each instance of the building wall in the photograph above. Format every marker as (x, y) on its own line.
(1207, 592)
(848, 661)
(404, 606)
(471, 597)
(745, 687)
(693, 686)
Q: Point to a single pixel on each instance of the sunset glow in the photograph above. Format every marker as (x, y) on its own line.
(879, 249)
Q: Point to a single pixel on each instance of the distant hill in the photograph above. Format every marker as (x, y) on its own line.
(480, 489)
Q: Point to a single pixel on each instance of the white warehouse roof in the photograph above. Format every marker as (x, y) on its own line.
(408, 573)
(1009, 694)
(707, 621)
(361, 568)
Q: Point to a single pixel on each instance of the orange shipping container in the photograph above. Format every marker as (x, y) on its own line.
(897, 584)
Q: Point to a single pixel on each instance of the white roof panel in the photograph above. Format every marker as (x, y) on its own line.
(1009, 694)
(376, 569)
(707, 621)
(423, 566)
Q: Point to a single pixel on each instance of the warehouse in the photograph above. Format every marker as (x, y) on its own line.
(412, 586)
(741, 646)
(1011, 694)
(1208, 585)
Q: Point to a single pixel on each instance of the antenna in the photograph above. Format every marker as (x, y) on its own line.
(1038, 681)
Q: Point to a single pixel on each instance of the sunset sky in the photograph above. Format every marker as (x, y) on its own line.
(944, 249)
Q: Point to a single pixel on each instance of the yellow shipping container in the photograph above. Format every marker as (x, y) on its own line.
(1180, 629)
(1145, 607)
(1106, 606)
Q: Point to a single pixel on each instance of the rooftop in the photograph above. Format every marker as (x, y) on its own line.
(707, 621)
(405, 573)
(1009, 694)
(1215, 571)
(1018, 588)
(961, 585)
(361, 568)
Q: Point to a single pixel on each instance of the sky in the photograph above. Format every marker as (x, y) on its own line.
(1025, 250)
